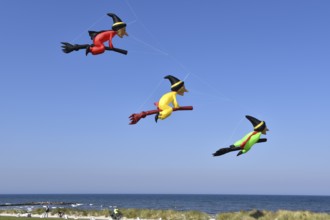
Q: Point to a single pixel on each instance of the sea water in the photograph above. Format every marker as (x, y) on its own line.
(211, 204)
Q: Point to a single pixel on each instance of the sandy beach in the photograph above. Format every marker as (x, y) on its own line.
(71, 217)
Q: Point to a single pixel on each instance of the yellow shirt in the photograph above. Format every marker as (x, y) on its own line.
(167, 99)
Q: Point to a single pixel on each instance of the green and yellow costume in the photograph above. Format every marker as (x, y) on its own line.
(246, 143)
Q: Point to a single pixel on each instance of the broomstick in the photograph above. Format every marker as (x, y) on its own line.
(137, 116)
(68, 48)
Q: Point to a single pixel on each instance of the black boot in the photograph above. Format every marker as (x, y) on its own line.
(156, 117)
(239, 153)
(87, 50)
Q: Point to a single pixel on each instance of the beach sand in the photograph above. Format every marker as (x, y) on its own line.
(71, 217)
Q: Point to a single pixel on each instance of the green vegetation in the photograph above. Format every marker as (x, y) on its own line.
(182, 215)
(16, 218)
(164, 214)
(268, 215)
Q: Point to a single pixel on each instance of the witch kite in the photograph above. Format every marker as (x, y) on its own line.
(167, 103)
(246, 143)
(99, 38)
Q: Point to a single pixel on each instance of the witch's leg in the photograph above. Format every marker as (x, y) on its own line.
(166, 112)
(97, 47)
(223, 151)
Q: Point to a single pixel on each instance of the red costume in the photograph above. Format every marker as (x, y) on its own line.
(98, 46)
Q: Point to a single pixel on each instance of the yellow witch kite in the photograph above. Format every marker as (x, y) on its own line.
(167, 103)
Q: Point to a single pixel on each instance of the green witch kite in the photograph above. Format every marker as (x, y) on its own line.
(246, 143)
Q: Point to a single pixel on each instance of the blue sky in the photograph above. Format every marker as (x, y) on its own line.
(64, 117)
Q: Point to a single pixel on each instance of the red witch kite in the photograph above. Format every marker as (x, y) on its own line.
(99, 38)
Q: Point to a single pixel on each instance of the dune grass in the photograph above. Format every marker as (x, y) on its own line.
(165, 214)
(268, 215)
(182, 215)
(128, 213)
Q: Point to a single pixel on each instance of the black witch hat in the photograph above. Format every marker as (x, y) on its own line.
(117, 22)
(176, 84)
(257, 124)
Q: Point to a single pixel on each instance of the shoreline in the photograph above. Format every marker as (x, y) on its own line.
(37, 203)
(208, 203)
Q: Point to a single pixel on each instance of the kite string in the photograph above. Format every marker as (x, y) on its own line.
(154, 38)
(162, 51)
(132, 10)
(151, 94)
(141, 23)
(233, 132)
(223, 97)
(96, 22)
(158, 50)
(149, 45)
(131, 22)
(147, 30)
(218, 94)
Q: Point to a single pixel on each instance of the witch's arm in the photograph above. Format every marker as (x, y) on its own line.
(112, 34)
(262, 140)
(175, 102)
(110, 43)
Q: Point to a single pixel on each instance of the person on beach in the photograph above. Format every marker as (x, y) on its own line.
(177, 87)
(116, 214)
(60, 214)
(46, 211)
(246, 143)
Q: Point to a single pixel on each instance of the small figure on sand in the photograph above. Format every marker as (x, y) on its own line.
(60, 214)
(246, 143)
(116, 214)
(46, 211)
(99, 38)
